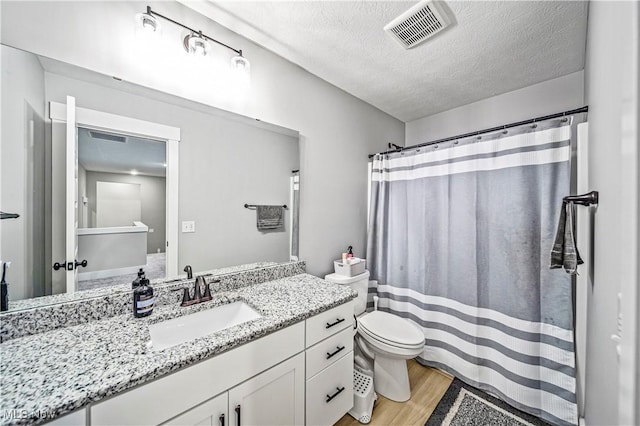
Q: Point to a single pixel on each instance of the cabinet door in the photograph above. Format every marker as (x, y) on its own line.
(275, 397)
(210, 413)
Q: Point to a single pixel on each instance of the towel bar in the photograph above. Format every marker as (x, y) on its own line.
(587, 199)
(253, 206)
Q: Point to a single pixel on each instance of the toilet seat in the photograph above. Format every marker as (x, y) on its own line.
(388, 330)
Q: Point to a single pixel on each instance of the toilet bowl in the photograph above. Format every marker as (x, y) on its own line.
(387, 339)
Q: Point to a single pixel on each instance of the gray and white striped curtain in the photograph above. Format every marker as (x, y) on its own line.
(459, 242)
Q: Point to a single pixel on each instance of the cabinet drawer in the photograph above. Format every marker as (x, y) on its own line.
(329, 323)
(325, 405)
(328, 351)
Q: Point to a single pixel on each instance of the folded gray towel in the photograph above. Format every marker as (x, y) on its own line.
(565, 252)
(269, 217)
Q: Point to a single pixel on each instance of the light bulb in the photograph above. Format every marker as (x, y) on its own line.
(241, 71)
(147, 23)
(196, 45)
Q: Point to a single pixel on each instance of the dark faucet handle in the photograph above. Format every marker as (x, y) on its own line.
(186, 297)
(197, 293)
(207, 290)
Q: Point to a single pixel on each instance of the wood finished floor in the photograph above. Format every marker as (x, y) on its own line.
(428, 385)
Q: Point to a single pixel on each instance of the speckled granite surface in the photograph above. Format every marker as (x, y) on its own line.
(61, 370)
(38, 302)
(119, 299)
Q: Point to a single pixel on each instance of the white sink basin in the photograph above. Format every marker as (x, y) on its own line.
(183, 329)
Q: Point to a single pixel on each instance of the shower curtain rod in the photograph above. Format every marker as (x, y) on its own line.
(493, 129)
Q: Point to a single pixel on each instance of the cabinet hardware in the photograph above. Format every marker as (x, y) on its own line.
(330, 355)
(83, 263)
(238, 414)
(221, 419)
(338, 321)
(329, 398)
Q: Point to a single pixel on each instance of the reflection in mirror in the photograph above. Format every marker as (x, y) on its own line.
(121, 208)
(226, 161)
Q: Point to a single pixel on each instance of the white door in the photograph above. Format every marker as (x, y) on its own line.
(71, 197)
(275, 397)
(64, 181)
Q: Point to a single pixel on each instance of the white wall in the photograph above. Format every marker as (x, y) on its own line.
(153, 203)
(611, 77)
(117, 204)
(556, 95)
(22, 101)
(337, 130)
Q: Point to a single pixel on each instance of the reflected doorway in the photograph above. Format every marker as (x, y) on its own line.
(121, 207)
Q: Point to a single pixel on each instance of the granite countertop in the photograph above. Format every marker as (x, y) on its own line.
(53, 373)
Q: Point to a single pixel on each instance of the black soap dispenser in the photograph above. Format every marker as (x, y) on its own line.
(136, 283)
(143, 299)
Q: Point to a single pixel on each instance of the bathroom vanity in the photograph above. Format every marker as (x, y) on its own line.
(293, 365)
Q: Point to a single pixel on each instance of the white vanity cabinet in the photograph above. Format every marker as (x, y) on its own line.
(329, 365)
(170, 396)
(274, 397)
(300, 374)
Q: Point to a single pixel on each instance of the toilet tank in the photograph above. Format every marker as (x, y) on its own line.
(360, 283)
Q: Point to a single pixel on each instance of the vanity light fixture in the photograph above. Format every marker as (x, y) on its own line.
(146, 22)
(134, 172)
(196, 42)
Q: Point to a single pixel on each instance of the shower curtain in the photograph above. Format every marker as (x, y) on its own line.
(459, 242)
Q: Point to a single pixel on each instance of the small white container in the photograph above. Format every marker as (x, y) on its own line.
(356, 267)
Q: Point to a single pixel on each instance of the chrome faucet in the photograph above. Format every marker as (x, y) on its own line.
(189, 272)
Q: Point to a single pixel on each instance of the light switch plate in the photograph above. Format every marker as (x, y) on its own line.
(188, 226)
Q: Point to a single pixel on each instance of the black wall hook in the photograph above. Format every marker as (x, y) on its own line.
(4, 215)
(587, 199)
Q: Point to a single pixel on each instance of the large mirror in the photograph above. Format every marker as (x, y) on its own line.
(125, 181)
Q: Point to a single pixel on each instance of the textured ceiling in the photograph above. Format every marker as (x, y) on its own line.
(493, 47)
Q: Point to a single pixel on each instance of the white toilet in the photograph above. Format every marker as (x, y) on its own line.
(386, 338)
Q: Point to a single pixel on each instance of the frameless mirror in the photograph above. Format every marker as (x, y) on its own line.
(225, 161)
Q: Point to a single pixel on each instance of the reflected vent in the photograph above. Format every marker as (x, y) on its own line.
(108, 136)
(421, 22)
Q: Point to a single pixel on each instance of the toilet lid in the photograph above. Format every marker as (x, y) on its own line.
(391, 329)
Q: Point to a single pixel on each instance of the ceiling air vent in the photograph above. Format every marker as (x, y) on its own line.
(422, 21)
(107, 136)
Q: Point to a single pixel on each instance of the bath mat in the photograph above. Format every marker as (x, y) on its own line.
(465, 405)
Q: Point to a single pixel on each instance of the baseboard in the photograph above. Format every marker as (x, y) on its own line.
(96, 275)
